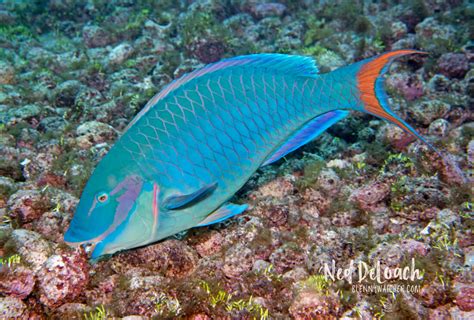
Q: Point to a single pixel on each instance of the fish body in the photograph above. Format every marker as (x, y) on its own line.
(197, 142)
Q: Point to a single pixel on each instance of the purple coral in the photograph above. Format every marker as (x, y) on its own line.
(367, 197)
(411, 87)
(63, 278)
(208, 51)
(264, 10)
(453, 65)
(16, 281)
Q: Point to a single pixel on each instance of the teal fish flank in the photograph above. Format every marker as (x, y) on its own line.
(197, 142)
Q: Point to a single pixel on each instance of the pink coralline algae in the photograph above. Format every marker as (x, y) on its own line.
(452, 172)
(287, 257)
(268, 9)
(208, 51)
(199, 316)
(368, 196)
(94, 132)
(27, 205)
(238, 260)
(95, 36)
(16, 281)
(51, 225)
(439, 127)
(453, 65)
(102, 293)
(316, 200)
(173, 258)
(63, 278)
(33, 249)
(278, 188)
(410, 87)
(395, 136)
(72, 311)
(329, 182)
(433, 294)
(277, 215)
(209, 244)
(12, 308)
(312, 305)
(465, 298)
(414, 247)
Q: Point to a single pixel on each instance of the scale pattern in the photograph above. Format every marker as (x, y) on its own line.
(222, 126)
(215, 127)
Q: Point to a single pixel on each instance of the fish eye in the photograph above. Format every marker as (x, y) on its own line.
(102, 197)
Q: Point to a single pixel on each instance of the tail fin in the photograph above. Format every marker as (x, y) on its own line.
(372, 94)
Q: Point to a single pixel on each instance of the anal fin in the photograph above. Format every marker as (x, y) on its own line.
(223, 213)
(176, 202)
(307, 133)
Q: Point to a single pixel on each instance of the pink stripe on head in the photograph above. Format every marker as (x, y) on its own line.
(94, 203)
(126, 201)
(156, 191)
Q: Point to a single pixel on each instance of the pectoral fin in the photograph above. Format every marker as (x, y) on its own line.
(176, 202)
(223, 213)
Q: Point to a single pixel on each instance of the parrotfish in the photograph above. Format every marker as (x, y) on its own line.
(198, 141)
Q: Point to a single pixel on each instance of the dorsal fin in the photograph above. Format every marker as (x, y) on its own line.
(281, 63)
(307, 133)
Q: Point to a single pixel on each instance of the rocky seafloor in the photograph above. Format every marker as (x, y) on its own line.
(74, 73)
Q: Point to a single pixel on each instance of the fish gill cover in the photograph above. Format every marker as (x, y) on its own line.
(365, 221)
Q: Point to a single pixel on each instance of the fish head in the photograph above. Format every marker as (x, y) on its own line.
(114, 214)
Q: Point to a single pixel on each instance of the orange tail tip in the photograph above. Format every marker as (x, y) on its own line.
(372, 94)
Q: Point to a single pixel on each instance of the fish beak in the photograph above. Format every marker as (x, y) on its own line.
(88, 246)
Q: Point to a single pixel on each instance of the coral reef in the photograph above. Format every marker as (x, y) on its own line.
(74, 73)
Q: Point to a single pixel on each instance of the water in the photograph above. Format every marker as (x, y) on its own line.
(73, 74)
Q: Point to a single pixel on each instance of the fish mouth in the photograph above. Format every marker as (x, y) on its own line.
(71, 239)
(89, 246)
(130, 228)
(94, 247)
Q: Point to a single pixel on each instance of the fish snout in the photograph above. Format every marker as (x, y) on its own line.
(88, 246)
(72, 240)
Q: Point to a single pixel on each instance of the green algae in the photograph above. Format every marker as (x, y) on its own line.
(10, 261)
(362, 24)
(226, 303)
(315, 50)
(418, 7)
(377, 152)
(347, 11)
(135, 24)
(316, 30)
(98, 314)
(199, 24)
(395, 161)
(66, 160)
(15, 129)
(167, 306)
(130, 63)
(317, 283)
(5, 189)
(11, 33)
(310, 175)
